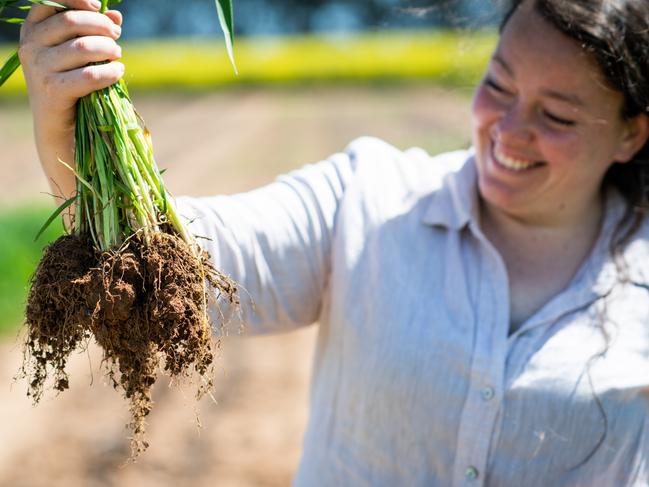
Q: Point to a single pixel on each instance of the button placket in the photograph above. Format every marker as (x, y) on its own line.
(487, 393)
(480, 412)
(471, 473)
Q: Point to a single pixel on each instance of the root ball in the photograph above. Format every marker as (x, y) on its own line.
(145, 305)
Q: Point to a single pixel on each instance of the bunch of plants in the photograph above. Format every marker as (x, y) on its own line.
(127, 275)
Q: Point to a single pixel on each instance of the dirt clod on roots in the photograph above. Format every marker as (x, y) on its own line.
(144, 305)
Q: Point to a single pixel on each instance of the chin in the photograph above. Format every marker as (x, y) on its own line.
(498, 195)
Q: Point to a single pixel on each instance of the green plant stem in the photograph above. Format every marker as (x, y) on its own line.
(119, 185)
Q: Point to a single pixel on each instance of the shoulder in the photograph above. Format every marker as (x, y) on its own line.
(413, 170)
(636, 255)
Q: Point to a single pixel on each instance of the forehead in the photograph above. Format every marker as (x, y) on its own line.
(538, 54)
(529, 42)
(528, 36)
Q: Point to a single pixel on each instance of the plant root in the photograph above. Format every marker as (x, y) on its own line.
(145, 305)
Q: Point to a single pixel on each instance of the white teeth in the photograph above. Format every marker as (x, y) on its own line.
(515, 164)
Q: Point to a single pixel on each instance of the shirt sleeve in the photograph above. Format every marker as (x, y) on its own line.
(275, 242)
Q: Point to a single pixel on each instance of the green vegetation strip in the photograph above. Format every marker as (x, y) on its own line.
(448, 58)
(19, 255)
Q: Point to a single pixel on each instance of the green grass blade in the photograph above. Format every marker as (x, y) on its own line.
(224, 9)
(53, 216)
(9, 67)
(82, 180)
(12, 3)
(49, 3)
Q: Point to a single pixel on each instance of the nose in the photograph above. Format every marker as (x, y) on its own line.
(513, 127)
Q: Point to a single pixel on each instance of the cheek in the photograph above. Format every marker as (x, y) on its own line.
(484, 110)
(562, 147)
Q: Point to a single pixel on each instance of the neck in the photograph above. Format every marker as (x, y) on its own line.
(571, 230)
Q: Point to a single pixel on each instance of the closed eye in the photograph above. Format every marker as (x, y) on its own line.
(559, 120)
(495, 86)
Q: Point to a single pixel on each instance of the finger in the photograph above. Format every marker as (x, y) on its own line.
(83, 81)
(38, 13)
(80, 52)
(59, 28)
(115, 16)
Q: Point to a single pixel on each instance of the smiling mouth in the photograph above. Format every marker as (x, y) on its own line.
(514, 164)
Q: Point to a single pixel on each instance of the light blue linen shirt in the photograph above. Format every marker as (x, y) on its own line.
(417, 380)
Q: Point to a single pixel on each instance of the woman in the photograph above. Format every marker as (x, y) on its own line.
(483, 314)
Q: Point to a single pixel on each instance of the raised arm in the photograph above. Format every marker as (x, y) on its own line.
(56, 52)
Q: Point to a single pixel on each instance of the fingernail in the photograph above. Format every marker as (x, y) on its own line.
(117, 30)
(96, 4)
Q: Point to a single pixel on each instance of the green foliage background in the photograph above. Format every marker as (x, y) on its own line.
(19, 255)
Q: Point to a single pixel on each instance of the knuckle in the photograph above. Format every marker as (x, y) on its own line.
(25, 31)
(48, 83)
(69, 18)
(90, 75)
(24, 53)
(80, 44)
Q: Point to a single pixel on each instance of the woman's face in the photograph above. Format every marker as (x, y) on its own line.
(546, 125)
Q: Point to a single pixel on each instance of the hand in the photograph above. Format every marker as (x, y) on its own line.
(56, 48)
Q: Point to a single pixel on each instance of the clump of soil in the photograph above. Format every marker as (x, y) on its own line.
(145, 305)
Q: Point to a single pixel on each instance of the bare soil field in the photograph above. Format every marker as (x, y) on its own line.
(252, 434)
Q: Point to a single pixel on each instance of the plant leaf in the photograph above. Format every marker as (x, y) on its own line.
(224, 9)
(53, 216)
(9, 67)
(83, 181)
(12, 20)
(49, 3)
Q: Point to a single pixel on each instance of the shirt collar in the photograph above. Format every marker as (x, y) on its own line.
(455, 204)
(600, 272)
(635, 253)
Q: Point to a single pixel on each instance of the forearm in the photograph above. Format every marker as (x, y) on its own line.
(55, 146)
(54, 140)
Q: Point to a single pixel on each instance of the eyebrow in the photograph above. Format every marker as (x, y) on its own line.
(571, 98)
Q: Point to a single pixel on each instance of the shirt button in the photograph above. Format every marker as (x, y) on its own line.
(471, 473)
(487, 393)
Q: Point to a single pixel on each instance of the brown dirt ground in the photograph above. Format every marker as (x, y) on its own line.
(210, 143)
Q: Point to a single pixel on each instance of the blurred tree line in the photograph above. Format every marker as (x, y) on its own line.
(164, 18)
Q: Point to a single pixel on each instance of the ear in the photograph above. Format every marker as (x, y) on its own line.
(635, 135)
